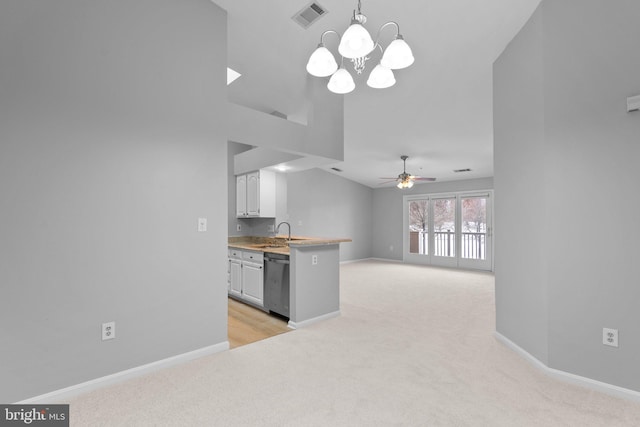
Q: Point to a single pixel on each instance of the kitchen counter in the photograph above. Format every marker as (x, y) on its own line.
(314, 273)
(279, 243)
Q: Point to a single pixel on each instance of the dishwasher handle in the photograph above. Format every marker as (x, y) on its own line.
(277, 261)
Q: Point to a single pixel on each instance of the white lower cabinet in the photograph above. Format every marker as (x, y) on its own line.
(235, 277)
(253, 283)
(246, 276)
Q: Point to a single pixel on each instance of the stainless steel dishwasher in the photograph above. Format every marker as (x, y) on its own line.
(276, 283)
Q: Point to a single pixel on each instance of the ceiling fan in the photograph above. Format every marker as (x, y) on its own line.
(405, 180)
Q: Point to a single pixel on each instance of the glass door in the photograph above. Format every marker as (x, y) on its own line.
(475, 242)
(450, 230)
(444, 231)
(419, 226)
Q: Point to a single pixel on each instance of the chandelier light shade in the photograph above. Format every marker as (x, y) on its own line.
(355, 44)
(398, 55)
(341, 82)
(321, 62)
(381, 77)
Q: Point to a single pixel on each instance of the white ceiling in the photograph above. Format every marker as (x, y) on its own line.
(439, 113)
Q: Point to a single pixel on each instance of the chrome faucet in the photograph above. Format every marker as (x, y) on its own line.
(288, 225)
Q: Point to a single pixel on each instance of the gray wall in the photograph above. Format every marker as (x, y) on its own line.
(387, 232)
(325, 205)
(589, 176)
(322, 136)
(112, 144)
(521, 182)
(315, 289)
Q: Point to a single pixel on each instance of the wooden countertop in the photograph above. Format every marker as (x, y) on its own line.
(279, 244)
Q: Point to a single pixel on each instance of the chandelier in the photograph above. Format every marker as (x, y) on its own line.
(356, 44)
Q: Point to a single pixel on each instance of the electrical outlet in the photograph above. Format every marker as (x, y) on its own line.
(108, 331)
(271, 228)
(202, 224)
(314, 259)
(610, 337)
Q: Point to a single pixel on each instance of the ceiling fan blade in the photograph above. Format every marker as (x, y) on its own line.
(404, 179)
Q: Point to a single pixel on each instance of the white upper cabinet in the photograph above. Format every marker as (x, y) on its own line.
(253, 193)
(241, 195)
(256, 195)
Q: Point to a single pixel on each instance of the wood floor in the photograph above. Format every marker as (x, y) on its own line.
(248, 324)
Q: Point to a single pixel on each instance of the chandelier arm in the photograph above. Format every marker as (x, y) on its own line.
(327, 32)
(384, 25)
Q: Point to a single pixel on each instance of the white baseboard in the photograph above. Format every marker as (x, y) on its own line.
(397, 261)
(296, 325)
(351, 261)
(372, 259)
(78, 389)
(589, 383)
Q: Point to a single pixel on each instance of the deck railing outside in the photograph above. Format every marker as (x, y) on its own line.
(473, 245)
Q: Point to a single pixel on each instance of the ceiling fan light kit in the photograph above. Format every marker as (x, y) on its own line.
(355, 44)
(407, 183)
(405, 180)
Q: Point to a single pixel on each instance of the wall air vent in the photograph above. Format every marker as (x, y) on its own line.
(462, 170)
(309, 14)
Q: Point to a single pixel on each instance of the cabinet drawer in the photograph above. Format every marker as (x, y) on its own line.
(256, 257)
(235, 253)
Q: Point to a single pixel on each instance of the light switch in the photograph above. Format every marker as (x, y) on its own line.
(202, 224)
(633, 103)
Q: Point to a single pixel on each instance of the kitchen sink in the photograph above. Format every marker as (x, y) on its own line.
(269, 246)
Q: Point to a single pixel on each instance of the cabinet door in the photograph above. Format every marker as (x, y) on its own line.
(253, 194)
(235, 277)
(241, 195)
(253, 283)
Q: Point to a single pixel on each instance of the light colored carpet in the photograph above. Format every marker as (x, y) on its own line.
(414, 347)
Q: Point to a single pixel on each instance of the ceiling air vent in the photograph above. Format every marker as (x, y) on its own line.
(309, 14)
(462, 170)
